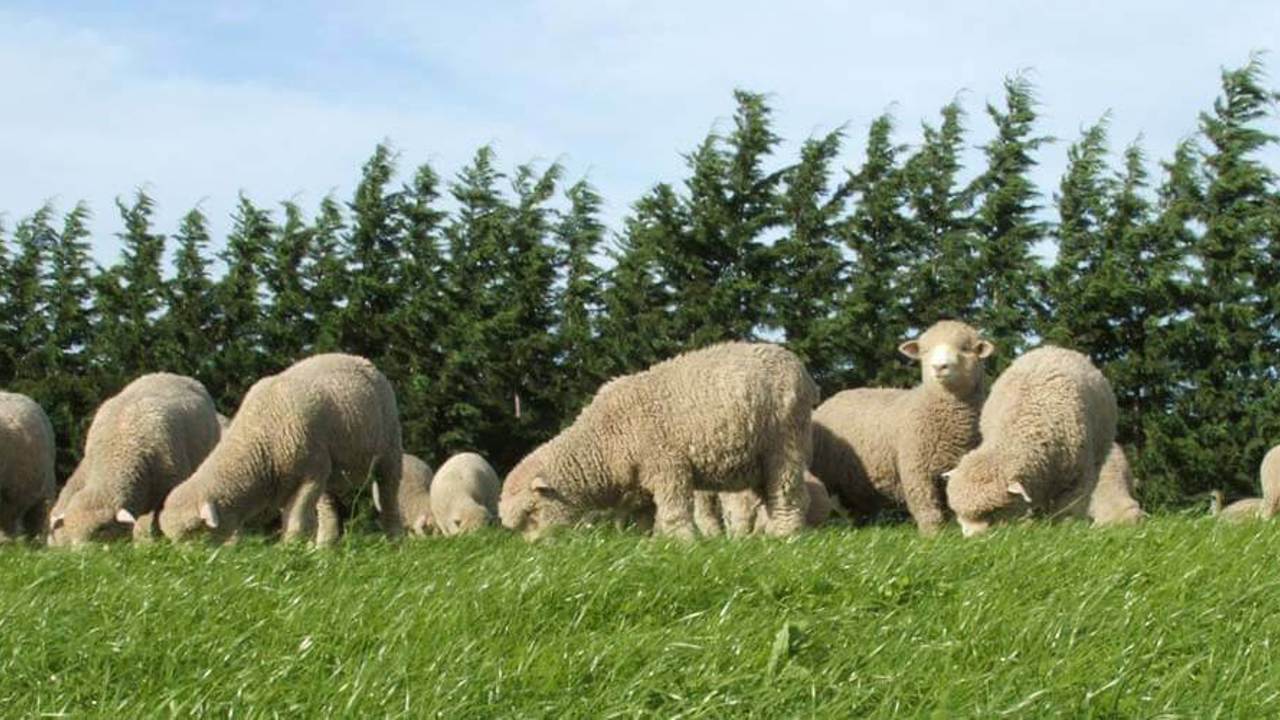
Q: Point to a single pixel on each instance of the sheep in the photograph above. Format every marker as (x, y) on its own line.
(27, 484)
(877, 447)
(1111, 502)
(743, 513)
(464, 494)
(727, 417)
(142, 442)
(1047, 429)
(297, 436)
(1270, 476)
(415, 496)
(1239, 511)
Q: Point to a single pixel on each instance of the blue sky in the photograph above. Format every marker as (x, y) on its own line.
(199, 101)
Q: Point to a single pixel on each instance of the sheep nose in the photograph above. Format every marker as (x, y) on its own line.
(941, 366)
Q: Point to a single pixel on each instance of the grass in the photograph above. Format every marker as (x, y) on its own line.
(1178, 618)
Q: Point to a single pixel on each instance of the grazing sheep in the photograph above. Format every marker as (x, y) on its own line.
(1047, 428)
(142, 442)
(415, 497)
(321, 423)
(464, 494)
(1270, 476)
(743, 512)
(27, 484)
(877, 447)
(731, 416)
(1112, 501)
(1237, 512)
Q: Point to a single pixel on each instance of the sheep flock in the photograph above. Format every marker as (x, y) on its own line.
(731, 439)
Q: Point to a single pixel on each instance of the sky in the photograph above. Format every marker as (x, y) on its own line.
(198, 102)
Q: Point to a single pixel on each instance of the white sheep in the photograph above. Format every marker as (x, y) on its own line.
(728, 417)
(142, 442)
(878, 447)
(27, 484)
(1047, 428)
(464, 494)
(1240, 511)
(1269, 473)
(299, 435)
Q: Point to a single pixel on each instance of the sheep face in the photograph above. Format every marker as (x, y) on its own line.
(191, 523)
(981, 494)
(466, 519)
(79, 526)
(537, 509)
(951, 356)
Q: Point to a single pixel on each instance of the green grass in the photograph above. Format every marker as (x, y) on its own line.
(1179, 618)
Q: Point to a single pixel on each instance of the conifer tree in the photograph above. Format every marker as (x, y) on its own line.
(242, 359)
(8, 329)
(1229, 353)
(132, 295)
(69, 392)
(193, 315)
(1008, 274)
(34, 240)
(287, 327)
(325, 273)
(579, 234)
(940, 276)
(373, 251)
(809, 263)
(871, 321)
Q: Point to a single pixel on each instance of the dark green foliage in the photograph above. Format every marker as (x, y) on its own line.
(193, 315)
(287, 325)
(28, 298)
(579, 235)
(132, 296)
(239, 333)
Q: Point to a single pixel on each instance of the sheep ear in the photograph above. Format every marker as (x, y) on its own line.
(56, 521)
(126, 517)
(911, 349)
(377, 503)
(209, 514)
(541, 487)
(985, 348)
(1016, 488)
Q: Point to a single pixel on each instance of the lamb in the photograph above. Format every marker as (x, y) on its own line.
(464, 494)
(415, 497)
(143, 441)
(877, 447)
(298, 436)
(27, 484)
(1047, 429)
(1237, 512)
(743, 513)
(1112, 500)
(1270, 476)
(728, 417)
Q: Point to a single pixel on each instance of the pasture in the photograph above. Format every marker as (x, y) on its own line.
(1177, 618)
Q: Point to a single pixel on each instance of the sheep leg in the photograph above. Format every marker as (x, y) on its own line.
(923, 495)
(328, 525)
(706, 513)
(387, 470)
(299, 521)
(35, 519)
(786, 498)
(672, 488)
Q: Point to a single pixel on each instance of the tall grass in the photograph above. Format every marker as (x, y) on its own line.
(1178, 618)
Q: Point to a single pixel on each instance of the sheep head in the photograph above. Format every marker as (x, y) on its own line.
(951, 356)
(982, 493)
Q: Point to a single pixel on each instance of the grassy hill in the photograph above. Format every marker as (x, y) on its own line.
(1179, 618)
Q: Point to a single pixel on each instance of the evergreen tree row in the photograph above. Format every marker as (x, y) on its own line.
(497, 318)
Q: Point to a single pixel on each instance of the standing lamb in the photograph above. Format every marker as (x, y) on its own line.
(1112, 500)
(324, 421)
(464, 494)
(743, 512)
(1047, 429)
(143, 441)
(1270, 476)
(731, 416)
(27, 484)
(876, 447)
(415, 497)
